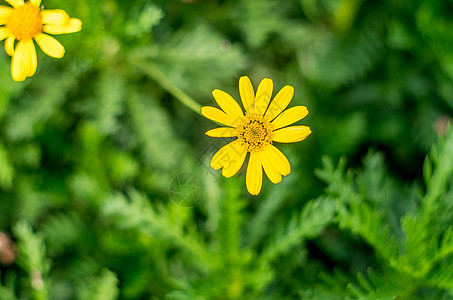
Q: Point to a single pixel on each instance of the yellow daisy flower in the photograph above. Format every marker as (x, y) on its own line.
(262, 125)
(26, 21)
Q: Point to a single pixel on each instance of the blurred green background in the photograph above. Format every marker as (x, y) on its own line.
(94, 146)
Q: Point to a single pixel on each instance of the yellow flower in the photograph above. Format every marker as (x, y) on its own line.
(25, 22)
(262, 125)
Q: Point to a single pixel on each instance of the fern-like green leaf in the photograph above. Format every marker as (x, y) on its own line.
(312, 220)
(137, 213)
(104, 287)
(32, 259)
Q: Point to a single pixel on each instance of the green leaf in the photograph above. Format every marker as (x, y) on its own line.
(311, 221)
(145, 19)
(104, 287)
(32, 259)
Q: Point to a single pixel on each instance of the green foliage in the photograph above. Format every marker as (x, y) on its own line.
(315, 216)
(32, 259)
(7, 171)
(414, 253)
(7, 290)
(226, 265)
(92, 145)
(102, 287)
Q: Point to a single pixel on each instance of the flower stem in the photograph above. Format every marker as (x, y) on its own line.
(157, 75)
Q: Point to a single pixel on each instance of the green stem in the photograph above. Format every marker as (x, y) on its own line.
(155, 73)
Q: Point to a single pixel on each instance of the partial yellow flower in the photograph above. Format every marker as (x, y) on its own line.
(256, 131)
(26, 21)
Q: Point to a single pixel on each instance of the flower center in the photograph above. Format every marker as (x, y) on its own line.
(25, 21)
(255, 132)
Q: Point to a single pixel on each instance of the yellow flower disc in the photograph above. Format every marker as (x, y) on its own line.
(255, 132)
(25, 21)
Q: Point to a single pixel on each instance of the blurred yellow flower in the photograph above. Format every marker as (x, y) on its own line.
(262, 124)
(25, 22)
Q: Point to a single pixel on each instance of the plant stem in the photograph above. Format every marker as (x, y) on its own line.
(156, 74)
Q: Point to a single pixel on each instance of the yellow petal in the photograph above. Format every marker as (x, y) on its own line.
(223, 156)
(247, 94)
(5, 11)
(227, 104)
(49, 45)
(218, 160)
(74, 25)
(55, 17)
(30, 60)
(18, 71)
(15, 3)
(222, 132)
(254, 176)
(236, 156)
(9, 45)
(271, 172)
(291, 134)
(36, 2)
(280, 102)
(278, 159)
(217, 115)
(4, 33)
(290, 116)
(263, 96)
